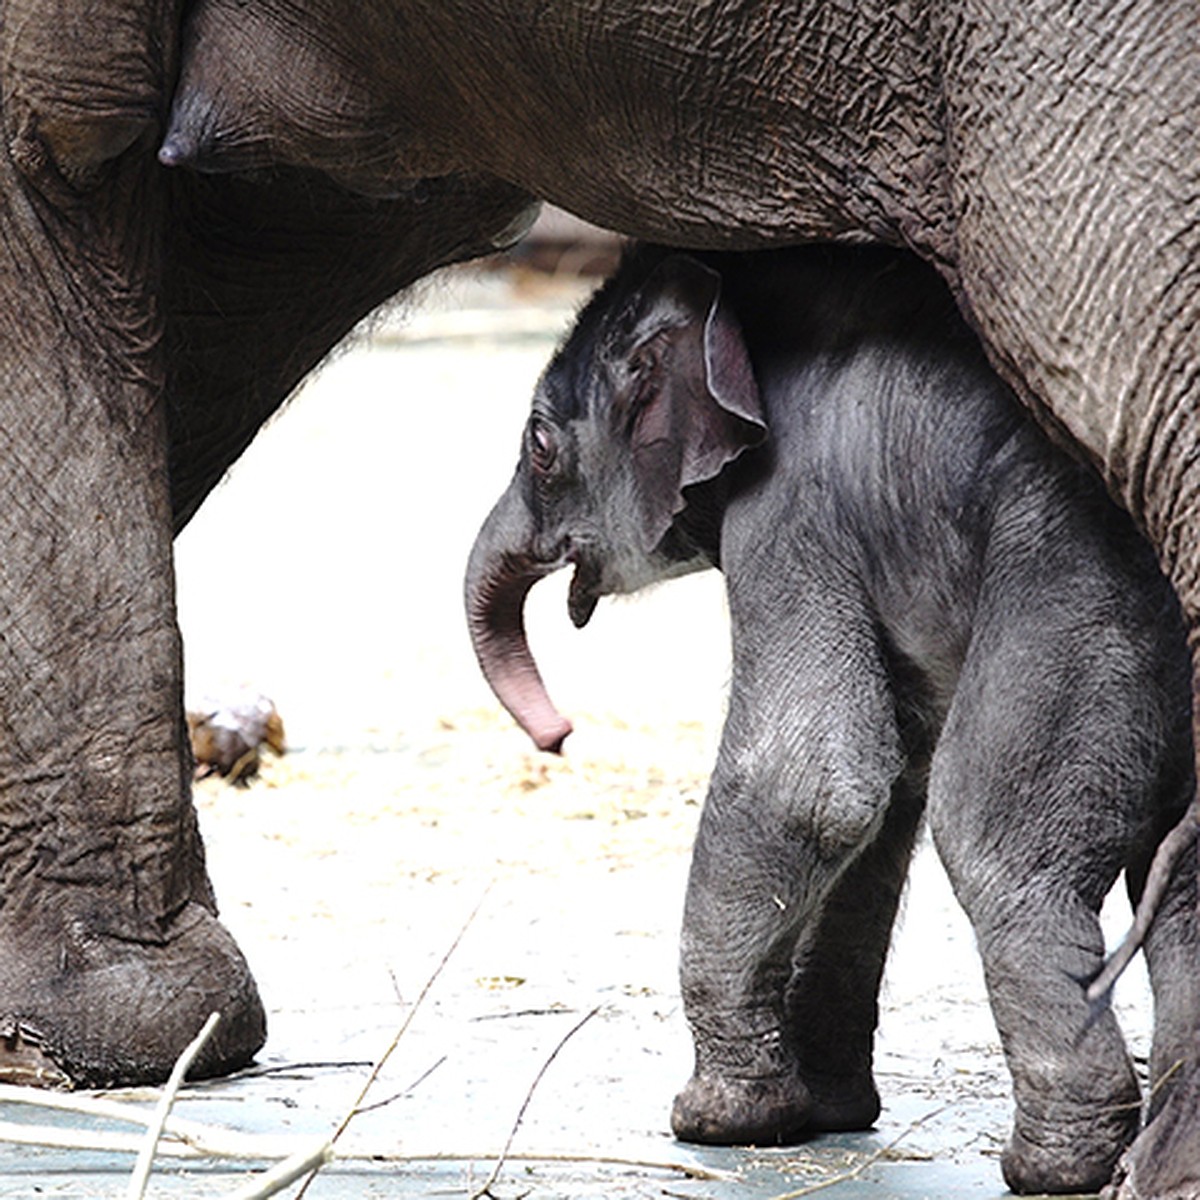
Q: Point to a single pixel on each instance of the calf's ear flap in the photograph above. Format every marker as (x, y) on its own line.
(686, 400)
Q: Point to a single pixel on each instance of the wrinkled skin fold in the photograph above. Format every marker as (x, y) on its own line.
(1045, 160)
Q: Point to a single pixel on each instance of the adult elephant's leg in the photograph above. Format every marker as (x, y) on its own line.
(1079, 238)
(1162, 1162)
(807, 764)
(263, 278)
(1172, 949)
(110, 953)
(1079, 242)
(1077, 174)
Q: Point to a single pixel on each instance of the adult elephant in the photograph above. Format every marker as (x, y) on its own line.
(1043, 156)
(151, 320)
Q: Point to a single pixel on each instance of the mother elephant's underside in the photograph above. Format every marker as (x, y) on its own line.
(1044, 158)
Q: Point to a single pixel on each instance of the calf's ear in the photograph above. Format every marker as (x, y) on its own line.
(685, 402)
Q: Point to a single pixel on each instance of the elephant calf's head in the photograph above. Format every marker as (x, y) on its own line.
(651, 395)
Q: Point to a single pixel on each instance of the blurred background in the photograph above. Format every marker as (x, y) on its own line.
(326, 571)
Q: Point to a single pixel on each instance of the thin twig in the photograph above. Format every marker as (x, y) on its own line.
(192, 1141)
(408, 1091)
(1165, 1078)
(256, 1146)
(486, 1190)
(67, 1139)
(1138, 1104)
(343, 1064)
(145, 1159)
(181, 1137)
(75, 1102)
(381, 1062)
(57, 1138)
(303, 1162)
(517, 1013)
(866, 1164)
(691, 1170)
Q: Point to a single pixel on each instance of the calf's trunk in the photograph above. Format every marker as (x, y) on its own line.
(503, 567)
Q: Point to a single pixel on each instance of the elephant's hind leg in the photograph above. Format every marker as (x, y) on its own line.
(1077, 1098)
(1031, 882)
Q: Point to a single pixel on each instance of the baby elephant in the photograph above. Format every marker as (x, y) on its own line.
(934, 612)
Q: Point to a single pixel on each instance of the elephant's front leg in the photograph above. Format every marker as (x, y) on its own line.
(802, 786)
(832, 1003)
(110, 953)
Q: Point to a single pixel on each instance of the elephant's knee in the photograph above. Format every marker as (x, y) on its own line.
(834, 809)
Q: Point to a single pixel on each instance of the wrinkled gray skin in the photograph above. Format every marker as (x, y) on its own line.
(933, 610)
(1044, 159)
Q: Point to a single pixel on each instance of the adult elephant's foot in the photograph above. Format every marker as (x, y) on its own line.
(94, 1008)
(1164, 1162)
(1068, 1157)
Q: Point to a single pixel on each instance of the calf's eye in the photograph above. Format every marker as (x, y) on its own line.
(543, 448)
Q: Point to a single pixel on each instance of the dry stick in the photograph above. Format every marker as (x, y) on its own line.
(381, 1062)
(866, 1164)
(286, 1068)
(188, 1138)
(303, 1162)
(194, 1138)
(1145, 1102)
(691, 1170)
(58, 1138)
(190, 1143)
(197, 1140)
(1169, 851)
(408, 1091)
(141, 1169)
(486, 1190)
(75, 1102)
(128, 1143)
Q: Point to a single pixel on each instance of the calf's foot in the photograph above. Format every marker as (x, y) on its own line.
(723, 1111)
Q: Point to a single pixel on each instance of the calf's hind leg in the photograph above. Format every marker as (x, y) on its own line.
(1032, 843)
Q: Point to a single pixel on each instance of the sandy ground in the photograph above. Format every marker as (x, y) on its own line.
(326, 573)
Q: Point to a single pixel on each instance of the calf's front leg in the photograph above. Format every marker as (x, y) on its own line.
(809, 758)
